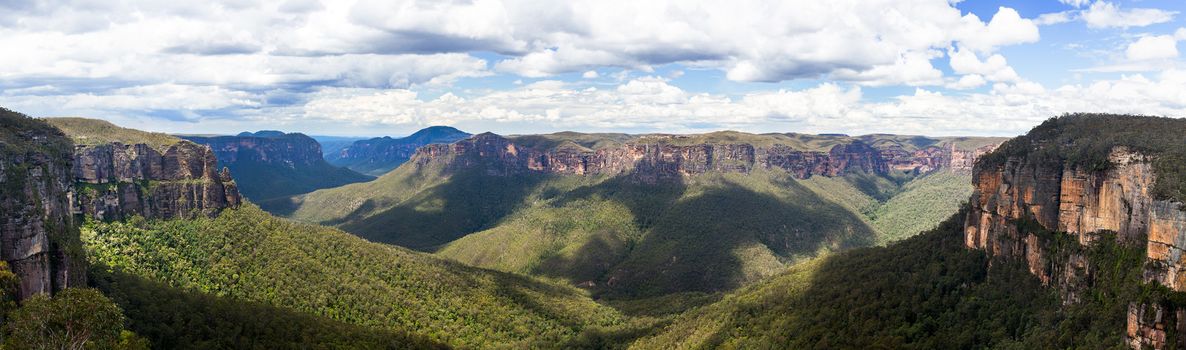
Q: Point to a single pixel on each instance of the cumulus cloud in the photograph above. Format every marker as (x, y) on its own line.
(650, 103)
(994, 68)
(1152, 48)
(1103, 14)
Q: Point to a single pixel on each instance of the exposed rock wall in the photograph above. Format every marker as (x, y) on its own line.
(289, 150)
(1078, 202)
(651, 161)
(117, 181)
(36, 228)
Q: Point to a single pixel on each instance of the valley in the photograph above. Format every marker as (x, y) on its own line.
(722, 240)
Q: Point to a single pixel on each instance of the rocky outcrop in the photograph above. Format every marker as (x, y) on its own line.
(653, 158)
(1015, 201)
(117, 181)
(36, 228)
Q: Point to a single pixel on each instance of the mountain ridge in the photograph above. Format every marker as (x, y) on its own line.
(380, 155)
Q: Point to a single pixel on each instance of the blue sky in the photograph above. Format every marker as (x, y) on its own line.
(371, 67)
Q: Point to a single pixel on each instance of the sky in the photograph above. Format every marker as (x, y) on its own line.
(390, 67)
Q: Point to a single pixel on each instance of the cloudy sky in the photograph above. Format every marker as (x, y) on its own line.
(383, 67)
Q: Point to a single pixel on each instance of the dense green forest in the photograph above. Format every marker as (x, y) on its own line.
(925, 292)
(177, 318)
(248, 255)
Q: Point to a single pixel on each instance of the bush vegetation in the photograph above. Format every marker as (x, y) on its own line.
(92, 132)
(248, 255)
(925, 292)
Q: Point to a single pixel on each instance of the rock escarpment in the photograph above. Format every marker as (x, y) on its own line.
(270, 147)
(1011, 198)
(38, 236)
(117, 181)
(272, 164)
(656, 157)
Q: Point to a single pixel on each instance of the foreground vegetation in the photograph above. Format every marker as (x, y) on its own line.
(926, 292)
(247, 255)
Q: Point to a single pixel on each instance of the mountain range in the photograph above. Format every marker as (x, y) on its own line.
(377, 156)
(1067, 237)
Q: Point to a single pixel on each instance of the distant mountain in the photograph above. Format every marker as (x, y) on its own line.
(380, 155)
(331, 146)
(271, 164)
(649, 215)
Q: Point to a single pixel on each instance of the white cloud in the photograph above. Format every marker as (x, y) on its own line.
(650, 103)
(1152, 48)
(1076, 3)
(1055, 18)
(1006, 28)
(994, 68)
(1107, 15)
(592, 74)
(970, 81)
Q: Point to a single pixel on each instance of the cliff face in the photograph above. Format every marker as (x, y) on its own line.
(654, 158)
(272, 164)
(36, 228)
(1082, 203)
(117, 181)
(287, 150)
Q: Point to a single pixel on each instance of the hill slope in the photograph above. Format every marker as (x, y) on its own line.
(247, 255)
(695, 213)
(379, 155)
(926, 292)
(272, 164)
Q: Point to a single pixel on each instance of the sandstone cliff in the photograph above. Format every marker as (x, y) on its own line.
(655, 157)
(117, 181)
(38, 236)
(1012, 197)
(273, 164)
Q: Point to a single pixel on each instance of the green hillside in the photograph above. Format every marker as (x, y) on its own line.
(92, 132)
(926, 292)
(247, 255)
(625, 239)
(715, 232)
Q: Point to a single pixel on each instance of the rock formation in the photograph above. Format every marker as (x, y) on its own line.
(38, 236)
(117, 181)
(272, 147)
(272, 164)
(651, 158)
(1081, 203)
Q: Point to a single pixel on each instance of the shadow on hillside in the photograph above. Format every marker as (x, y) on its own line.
(174, 318)
(468, 202)
(729, 235)
(925, 292)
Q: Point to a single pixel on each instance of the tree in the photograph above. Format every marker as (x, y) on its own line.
(74, 319)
